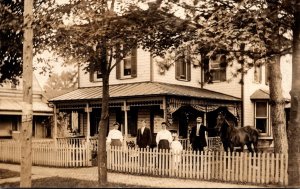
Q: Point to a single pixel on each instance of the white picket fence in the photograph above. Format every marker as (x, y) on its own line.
(49, 154)
(259, 168)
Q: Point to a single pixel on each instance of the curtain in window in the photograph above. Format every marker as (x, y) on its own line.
(74, 121)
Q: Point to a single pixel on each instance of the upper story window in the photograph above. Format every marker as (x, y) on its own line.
(127, 68)
(183, 66)
(217, 67)
(262, 117)
(95, 76)
(257, 73)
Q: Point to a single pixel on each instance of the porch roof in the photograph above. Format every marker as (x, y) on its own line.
(143, 89)
(14, 106)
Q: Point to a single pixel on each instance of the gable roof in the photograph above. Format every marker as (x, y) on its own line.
(143, 89)
(260, 94)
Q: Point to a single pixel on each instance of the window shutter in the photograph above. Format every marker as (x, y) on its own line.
(205, 64)
(118, 70)
(223, 74)
(134, 62)
(188, 77)
(177, 66)
(92, 71)
(267, 74)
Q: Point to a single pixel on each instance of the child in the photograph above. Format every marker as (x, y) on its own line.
(176, 148)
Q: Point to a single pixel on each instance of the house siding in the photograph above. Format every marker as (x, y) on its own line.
(143, 73)
(147, 72)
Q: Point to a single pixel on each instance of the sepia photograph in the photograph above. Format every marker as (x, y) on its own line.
(149, 94)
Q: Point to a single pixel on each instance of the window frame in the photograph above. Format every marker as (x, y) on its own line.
(120, 70)
(267, 118)
(183, 66)
(95, 75)
(216, 68)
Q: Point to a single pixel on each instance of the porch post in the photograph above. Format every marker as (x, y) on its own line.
(164, 107)
(205, 121)
(54, 135)
(88, 122)
(125, 121)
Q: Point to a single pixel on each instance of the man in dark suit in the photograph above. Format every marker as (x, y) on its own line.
(197, 136)
(144, 136)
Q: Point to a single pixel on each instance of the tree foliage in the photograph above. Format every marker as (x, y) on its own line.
(10, 40)
(58, 84)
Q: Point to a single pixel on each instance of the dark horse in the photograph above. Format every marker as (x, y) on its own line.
(232, 136)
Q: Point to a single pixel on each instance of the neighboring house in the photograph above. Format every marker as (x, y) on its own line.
(140, 89)
(11, 98)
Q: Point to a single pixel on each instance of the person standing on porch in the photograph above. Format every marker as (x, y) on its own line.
(164, 137)
(115, 137)
(197, 136)
(144, 137)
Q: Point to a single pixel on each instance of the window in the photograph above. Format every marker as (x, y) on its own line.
(98, 75)
(183, 66)
(74, 122)
(218, 68)
(95, 75)
(257, 73)
(262, 117)
(127, 68)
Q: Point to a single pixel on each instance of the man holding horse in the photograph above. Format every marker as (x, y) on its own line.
(197, 136)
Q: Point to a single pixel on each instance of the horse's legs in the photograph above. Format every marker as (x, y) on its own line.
(231, 146)
(255, 146)
(242, 148)
(225, 146)
(249, 147)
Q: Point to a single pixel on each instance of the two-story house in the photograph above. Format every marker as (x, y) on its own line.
(11, 98)
(141, 89)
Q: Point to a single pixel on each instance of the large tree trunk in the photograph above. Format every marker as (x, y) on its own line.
(294, 126)
(26, 129)
(277, 107)
(102, 156)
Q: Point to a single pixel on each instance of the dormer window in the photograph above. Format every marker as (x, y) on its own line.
(183, 66)
(217, 67)
(127, 68)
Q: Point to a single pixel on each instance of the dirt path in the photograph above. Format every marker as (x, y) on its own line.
(90, 173)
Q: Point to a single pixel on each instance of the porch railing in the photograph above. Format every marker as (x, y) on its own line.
(213, 143)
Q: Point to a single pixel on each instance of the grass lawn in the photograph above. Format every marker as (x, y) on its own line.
(57, 182)
(5, 173)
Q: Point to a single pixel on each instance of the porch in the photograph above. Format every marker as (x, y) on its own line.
(154, 102)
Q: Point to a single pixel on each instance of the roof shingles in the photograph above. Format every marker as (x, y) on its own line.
(143, 89)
